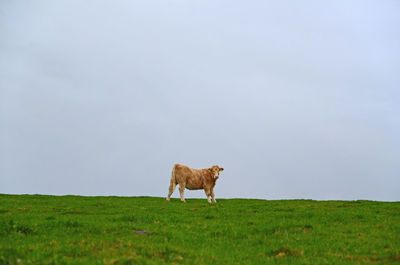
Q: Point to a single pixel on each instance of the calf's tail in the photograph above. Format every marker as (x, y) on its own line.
(173, 178)
(172, 184)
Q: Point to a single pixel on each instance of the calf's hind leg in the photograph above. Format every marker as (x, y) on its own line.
(182, 191)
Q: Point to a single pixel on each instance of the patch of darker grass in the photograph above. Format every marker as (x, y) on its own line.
(144, 219)
(49, 218)
(360, 217)
(71, 224)
(3, 211)
(306, 229)
(129, 218)
(23, 229)
(284, 210)
(73, 212)
(11, 226)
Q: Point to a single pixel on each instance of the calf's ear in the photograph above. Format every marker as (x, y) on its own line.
(221, 169)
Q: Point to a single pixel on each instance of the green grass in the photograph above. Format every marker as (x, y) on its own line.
(36, 229)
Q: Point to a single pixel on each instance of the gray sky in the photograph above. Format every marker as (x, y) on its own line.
(293, 99)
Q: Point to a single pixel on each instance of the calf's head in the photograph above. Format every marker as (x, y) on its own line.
(214, 170)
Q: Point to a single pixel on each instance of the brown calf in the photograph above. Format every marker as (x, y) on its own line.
(194, 179)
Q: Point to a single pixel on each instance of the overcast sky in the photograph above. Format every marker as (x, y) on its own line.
(295, 99)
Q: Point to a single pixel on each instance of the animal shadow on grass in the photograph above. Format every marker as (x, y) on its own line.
(142, 232)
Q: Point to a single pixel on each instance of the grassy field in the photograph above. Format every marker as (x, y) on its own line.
(37, 229)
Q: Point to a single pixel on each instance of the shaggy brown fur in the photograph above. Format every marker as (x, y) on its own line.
(194, 179)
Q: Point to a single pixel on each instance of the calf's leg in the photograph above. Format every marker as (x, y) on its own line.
(208, 193)
(182, 191)
(213, 195)
(172, 186)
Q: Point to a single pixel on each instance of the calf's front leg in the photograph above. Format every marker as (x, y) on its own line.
(208, 193)
(213, 195)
